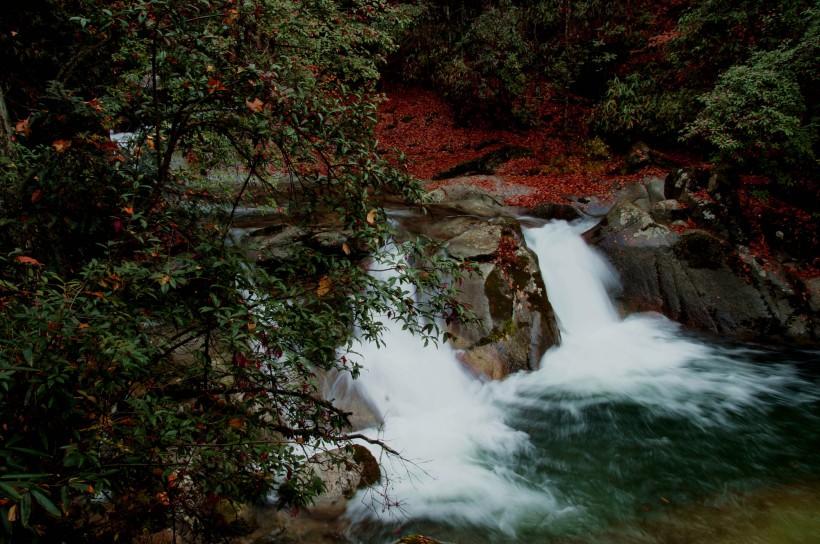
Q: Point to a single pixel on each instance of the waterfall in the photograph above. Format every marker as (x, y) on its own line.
(618, 414)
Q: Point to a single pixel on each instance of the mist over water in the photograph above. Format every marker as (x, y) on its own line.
(626, 420)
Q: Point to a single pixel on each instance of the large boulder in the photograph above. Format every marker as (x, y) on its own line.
(516, 323)
(704, 283)
(694, 276)
(629, 225)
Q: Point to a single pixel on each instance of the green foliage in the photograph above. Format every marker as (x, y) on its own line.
(487, 68)
(637, 107)
(501, 60)
(150, 368)
(713, 35)
(756, 113)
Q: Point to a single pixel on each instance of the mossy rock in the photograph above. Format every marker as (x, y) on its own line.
(369, 466)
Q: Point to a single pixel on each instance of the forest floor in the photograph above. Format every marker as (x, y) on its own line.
(569, 163)
(424, 128)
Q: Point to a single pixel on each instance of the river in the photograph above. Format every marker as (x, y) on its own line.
(632, 430)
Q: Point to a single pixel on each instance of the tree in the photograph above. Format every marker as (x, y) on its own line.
(150, 368)
(755, 113)
(761, 113)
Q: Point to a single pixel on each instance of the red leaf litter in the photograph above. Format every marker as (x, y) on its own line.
(421, 126)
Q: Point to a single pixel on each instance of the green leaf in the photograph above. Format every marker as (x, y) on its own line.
(25, 508)
(46, 503)
(4, 518)
(30, 451)
(10, 491)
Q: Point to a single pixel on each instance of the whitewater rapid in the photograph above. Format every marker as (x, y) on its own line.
(463, 440)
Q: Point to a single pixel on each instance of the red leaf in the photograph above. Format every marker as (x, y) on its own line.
(215, 85)
(22, 127)
(27, 260)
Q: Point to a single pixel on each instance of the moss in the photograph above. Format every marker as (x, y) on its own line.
(371, 473)
(499, 333)
(501, 304)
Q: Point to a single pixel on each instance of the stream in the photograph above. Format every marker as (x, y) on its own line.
(632, 430)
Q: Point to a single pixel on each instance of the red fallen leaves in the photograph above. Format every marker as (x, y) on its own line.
(422, 127)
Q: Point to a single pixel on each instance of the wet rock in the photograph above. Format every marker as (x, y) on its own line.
(516, 323)
(479, 242)
(700, 278)
(638, 157)
(702, 282)
(553, 210)
(627, 225)
(342, 473)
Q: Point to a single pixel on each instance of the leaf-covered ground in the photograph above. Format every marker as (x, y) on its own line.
(422, 126)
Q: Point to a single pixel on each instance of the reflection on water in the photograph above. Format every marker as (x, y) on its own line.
(629, 432)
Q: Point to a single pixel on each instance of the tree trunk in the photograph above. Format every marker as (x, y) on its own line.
(6, 146)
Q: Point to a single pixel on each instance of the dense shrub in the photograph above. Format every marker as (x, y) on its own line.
(151, 370)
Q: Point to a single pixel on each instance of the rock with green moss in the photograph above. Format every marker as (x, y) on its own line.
(516, 323)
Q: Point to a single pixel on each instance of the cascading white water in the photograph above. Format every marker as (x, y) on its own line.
(502, 455)
(442, 421)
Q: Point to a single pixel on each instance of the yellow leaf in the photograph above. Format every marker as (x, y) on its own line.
(164, 279)
(325, 283)
(61, 145)
(346, 249)
(371, 216)
(255, 104)
(12, 515)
